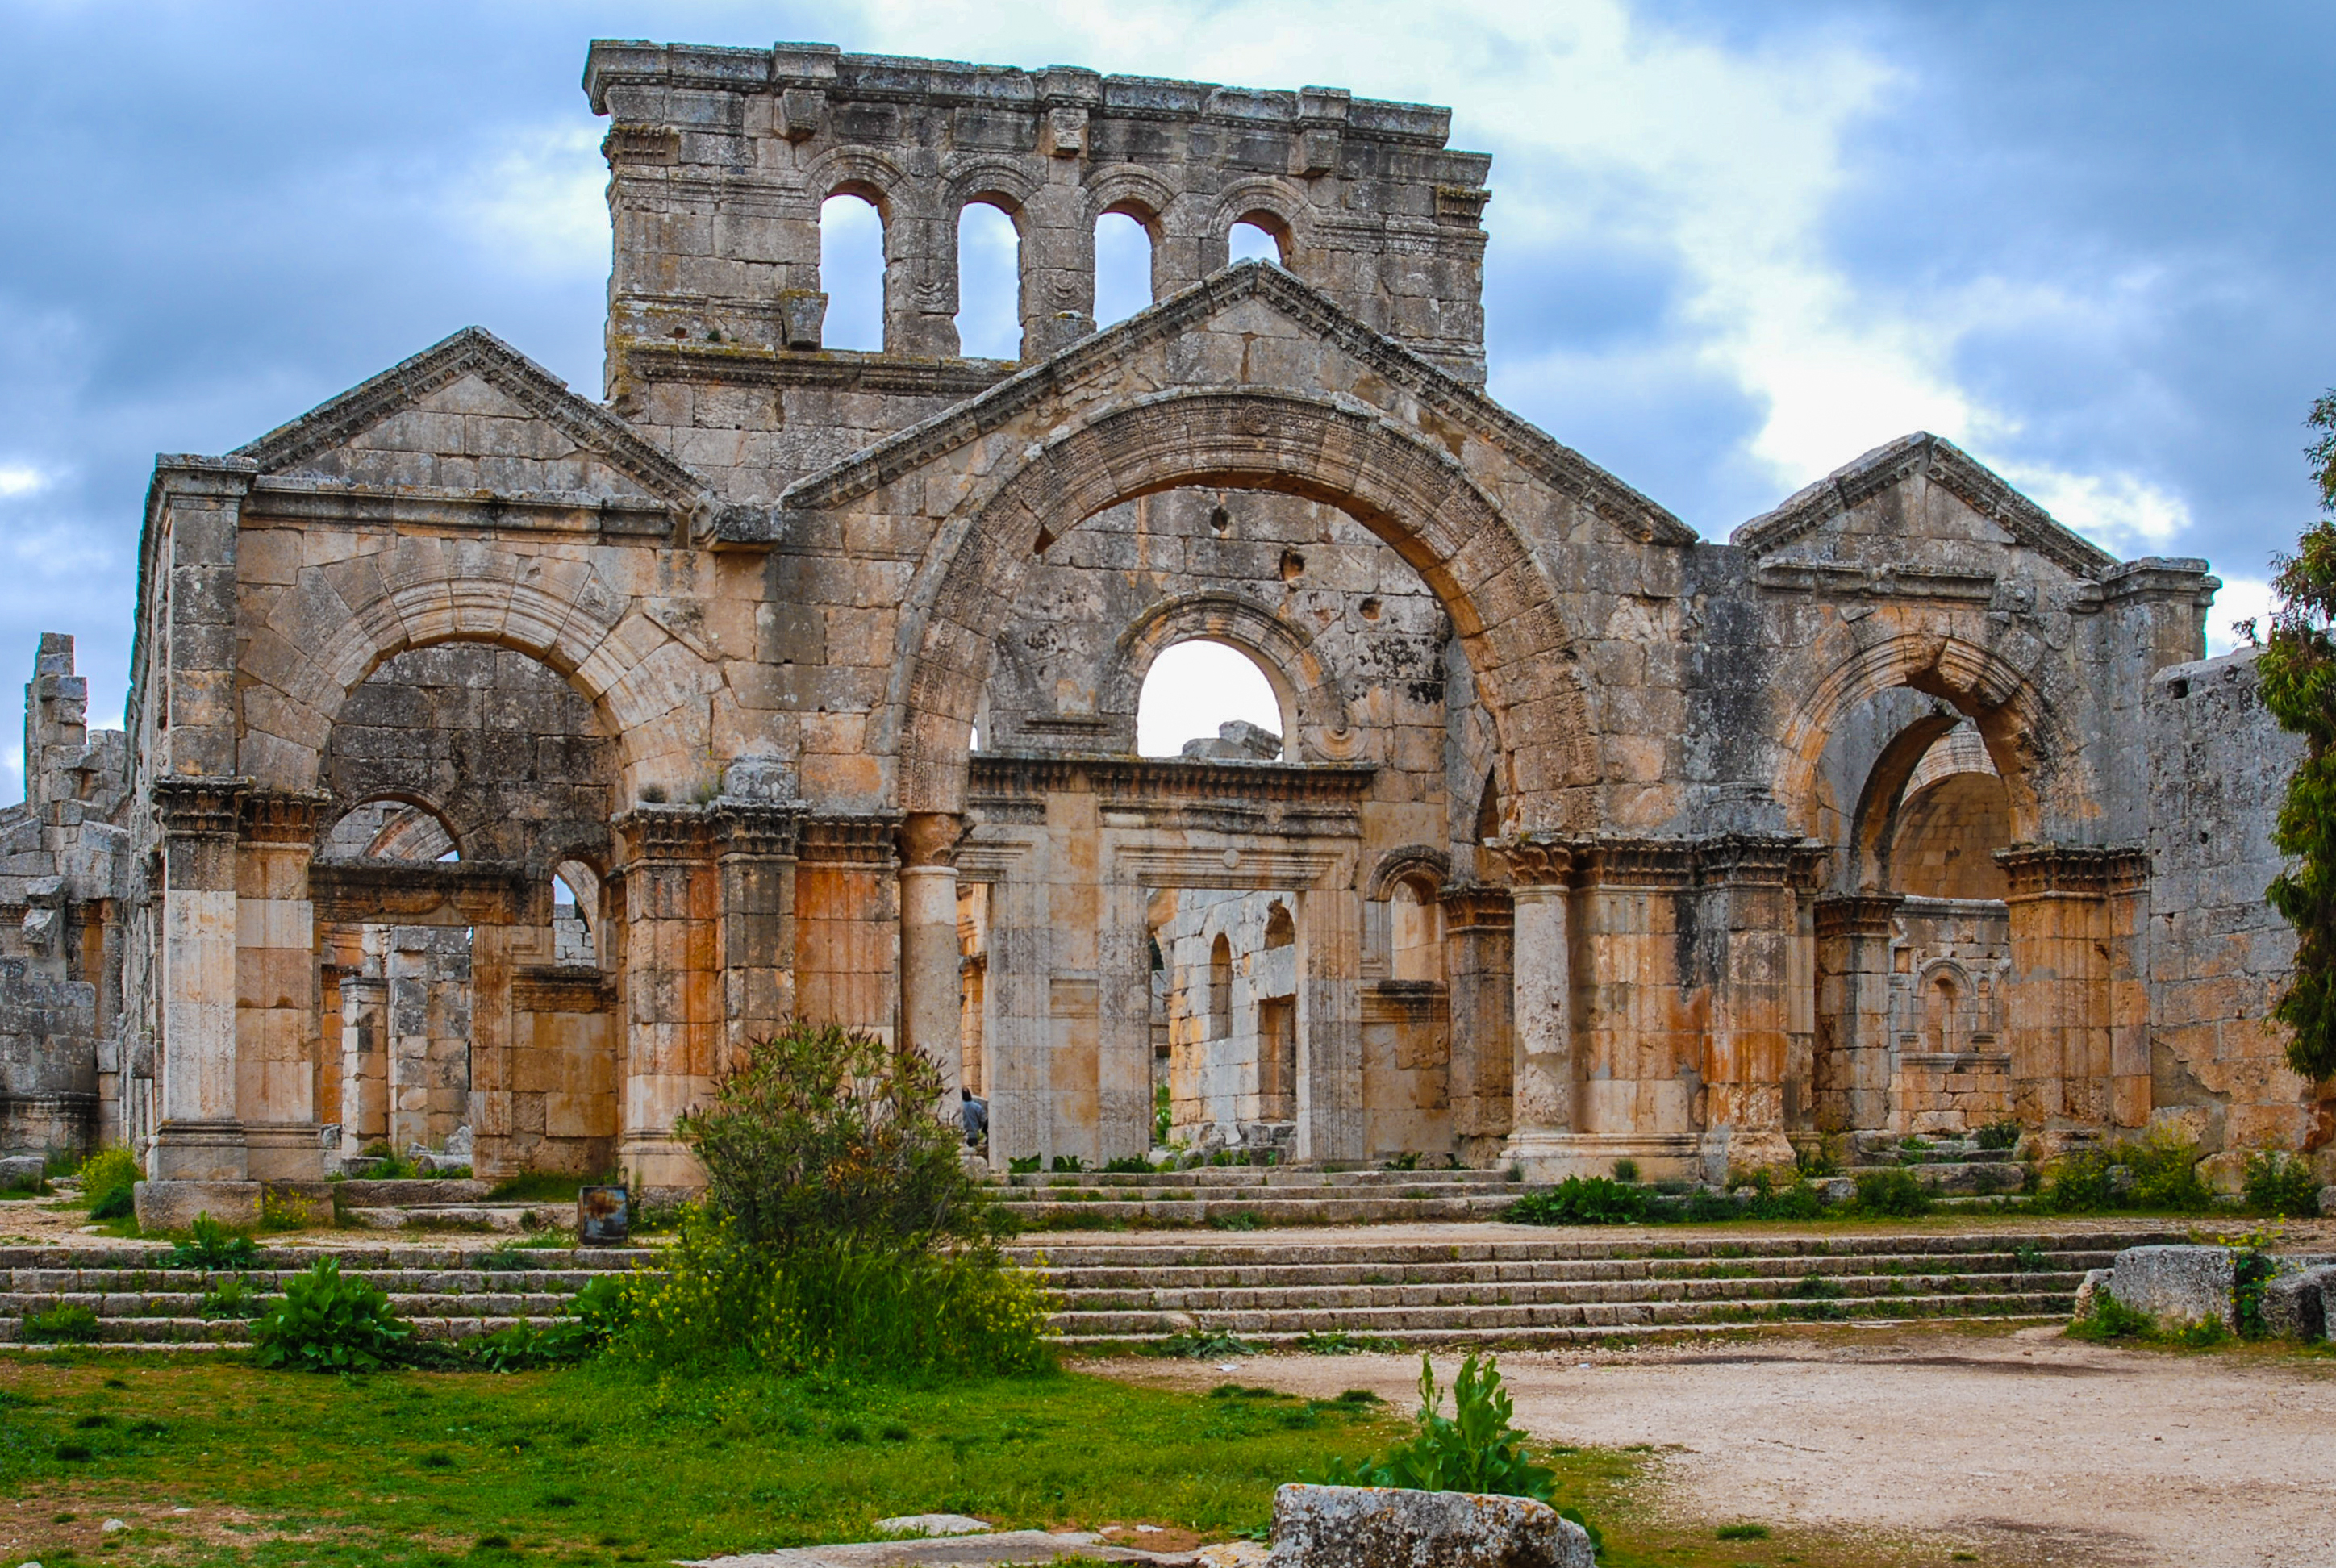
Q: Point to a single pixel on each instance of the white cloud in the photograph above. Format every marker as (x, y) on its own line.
(539, 201)
(21, 479)
(2242, 598)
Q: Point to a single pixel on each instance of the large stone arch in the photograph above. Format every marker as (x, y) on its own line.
(1415, 498)
(653, 692)
(2044, 773)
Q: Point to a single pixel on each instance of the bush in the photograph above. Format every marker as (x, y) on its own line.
(2110, 1318)
(721, 1303)
(230, 1296)
(1582, 1200)
(107, 1178)
(67, 1323)
(211, 1245)
(1999, 1135)
(828, 1139)
(2161, 1169)
(327, 1322)
(1474, 1449)
(2282, 1184)
(1892, 1194)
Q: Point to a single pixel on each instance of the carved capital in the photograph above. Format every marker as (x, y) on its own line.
(2073, 871)
(282, 816)
(1862, 915)
(204, 807)
(650, 833)
(851, 841)
(1479, 908)
(930, 838)
(1536, 862)
(755, 832)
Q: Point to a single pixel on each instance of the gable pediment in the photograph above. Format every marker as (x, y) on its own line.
(472, 414)
(1857, 500)
(1256, 301)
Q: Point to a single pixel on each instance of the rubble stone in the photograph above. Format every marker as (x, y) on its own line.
(1388, 1527)
(2176, 1284)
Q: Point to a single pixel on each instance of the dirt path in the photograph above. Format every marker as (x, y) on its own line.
(2022, 1443)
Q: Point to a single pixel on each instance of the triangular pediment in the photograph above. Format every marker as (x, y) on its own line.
(1996, 514)
(1218, 302)
(472, 414)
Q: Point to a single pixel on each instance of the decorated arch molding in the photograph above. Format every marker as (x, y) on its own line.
(1412, 496)
(2044, 773)
(1412, 860)
(1309, 694)
(646, 683)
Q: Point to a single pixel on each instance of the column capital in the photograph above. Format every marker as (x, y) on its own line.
(282, 816)
(2073, 871)
(649, 834)
(200, 805)
(754, 830)
(931, 839)
(1857, 915)
(872, 839)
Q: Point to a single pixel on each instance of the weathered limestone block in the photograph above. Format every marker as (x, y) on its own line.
(1387, 1527)
(21, 1170)
(2088, 1291)
(2176, 1284)
(173, 1206)
(2295, 1305)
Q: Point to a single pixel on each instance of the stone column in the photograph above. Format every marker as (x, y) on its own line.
(1016, 1029)
(365, 1068)
(492, 1048)
(1330, 1025)
(1123, 1024)
(1478, 926)
(200, 1138)
(931, 999)
(1751, 914)
(1852, 1022)
(1544, 1072)
(2063, 1007)
(672, 990)
(754, 846)
(279, 1034)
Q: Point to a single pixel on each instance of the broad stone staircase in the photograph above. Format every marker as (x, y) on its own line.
(1239, 1197)
(1576, 1285)
(1563, 1287)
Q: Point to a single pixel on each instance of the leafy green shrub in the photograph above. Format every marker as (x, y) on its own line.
(1070, 1163)
(1130, 1164)
(107, 1179)
(1582, 1200)
(2283, 1184)
(2110, 1318)
(1892, 1194)
(230, 1296)
(2162, 1167)
(65, 1323)
(1162, 1122)
(1023, 1166)
(1626, 1171)
(280, 1210)
(1742, 1532)
(327, 1322)
(1474, 1449)
(828, 1138)
(211, 1245)
(1999, 1135)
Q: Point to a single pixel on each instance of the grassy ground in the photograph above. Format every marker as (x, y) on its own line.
(211, 1462)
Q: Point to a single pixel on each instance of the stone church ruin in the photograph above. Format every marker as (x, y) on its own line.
(499, 761)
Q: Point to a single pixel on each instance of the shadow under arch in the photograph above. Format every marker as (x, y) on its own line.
(1414, 498)
(2045, 776)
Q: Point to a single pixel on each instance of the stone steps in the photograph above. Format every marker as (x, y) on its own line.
(1498, 1287)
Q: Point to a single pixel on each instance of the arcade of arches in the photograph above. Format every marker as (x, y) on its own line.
(502, 760)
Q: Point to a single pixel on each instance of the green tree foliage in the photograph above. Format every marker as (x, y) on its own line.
(2298, 672)
(1476, 1449)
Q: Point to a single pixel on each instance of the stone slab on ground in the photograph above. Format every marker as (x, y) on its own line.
(174, 1205)
(2295, 1305)
(934, 1525)
(1389, 1527)
(2176, 1284)
(1005, 1547)
(22, 1170)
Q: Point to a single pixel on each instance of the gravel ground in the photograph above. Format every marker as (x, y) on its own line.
(2021, 1444)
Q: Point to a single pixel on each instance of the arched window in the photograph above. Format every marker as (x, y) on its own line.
(575, 914)
(1208, 699)
(852, 272)
(1220, 987)
(1256, 237)
(989, 282)
(390, 829)
(1415, 931)
(1123, 267)
(1941, 1013)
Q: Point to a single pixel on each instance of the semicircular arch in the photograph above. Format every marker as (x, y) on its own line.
(1285, 653)
(1414, 497)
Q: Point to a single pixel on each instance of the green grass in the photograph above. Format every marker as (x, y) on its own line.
(410, 1470)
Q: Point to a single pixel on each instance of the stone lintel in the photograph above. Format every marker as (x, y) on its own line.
(438, 892)
(1536, 860)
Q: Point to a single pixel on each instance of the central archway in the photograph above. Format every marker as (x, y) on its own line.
(1416, 499)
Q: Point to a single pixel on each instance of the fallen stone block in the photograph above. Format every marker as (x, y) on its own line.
(1388, 1527)
(174, 1205)
(2177, 1285)
(21, 1171)
(2295, 1305)
(1007, 1547)
(2328, 1200)
(2089, 1291)
(933, 1524)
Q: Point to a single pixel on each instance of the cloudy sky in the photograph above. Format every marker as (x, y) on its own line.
(1734, 244)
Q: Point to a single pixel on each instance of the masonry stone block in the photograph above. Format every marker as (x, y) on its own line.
(1386, 1527)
